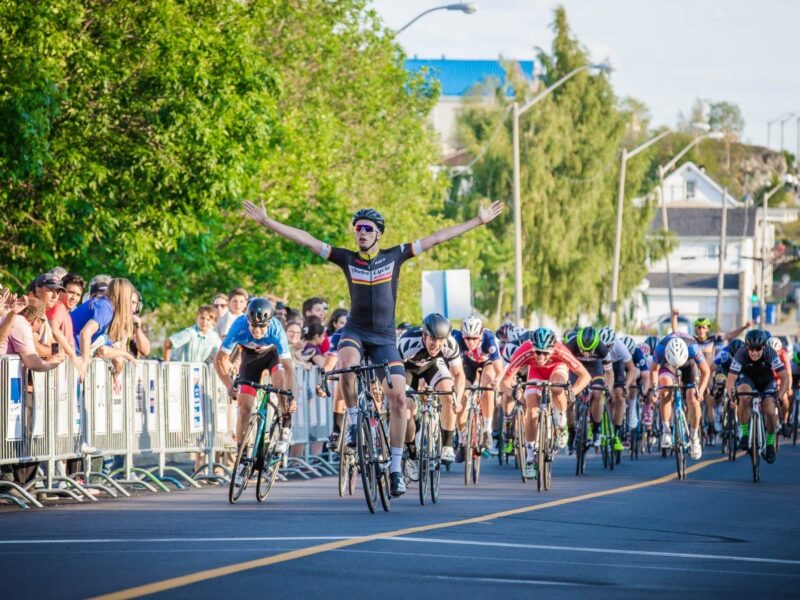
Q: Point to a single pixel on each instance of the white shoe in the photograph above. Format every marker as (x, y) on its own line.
(561, 438)
(666, 440)
(87, 449)
(239, 480)
(448, 455)
(486, 439)
(529, 472)
(411, 470)
(286, 439)
(695, 449)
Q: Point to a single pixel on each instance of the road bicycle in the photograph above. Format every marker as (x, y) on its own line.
(473, 433)
(546, 434)
(373, 453)
(257, 448)
(679, 427)
(636, 432)
(730, 427)
(757, 437)
(429, 449)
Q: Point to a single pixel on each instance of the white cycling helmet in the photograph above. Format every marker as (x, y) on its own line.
(676, 352)
(629, 342)
(472, 326)
(775, 343)
(608, 336)
(515, 334)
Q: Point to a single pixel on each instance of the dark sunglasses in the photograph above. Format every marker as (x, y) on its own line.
(364, 227)
(471, 338)
(755, 348)
(220, 305)
(541, 353)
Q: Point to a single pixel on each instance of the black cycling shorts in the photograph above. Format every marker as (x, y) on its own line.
(254, 363)
(760, 384)
(432, 375)
(378, 348)
(471, 370)
(619, 374)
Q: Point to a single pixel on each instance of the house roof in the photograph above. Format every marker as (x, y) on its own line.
(707, 222)
(457, 77)
(690, 166)
(693, 280)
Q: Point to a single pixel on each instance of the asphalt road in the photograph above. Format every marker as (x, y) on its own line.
(626, 533)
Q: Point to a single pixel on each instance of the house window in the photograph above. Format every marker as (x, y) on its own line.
(690, 190)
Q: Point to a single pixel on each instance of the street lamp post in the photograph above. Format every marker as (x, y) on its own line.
(517, 112)
(663, 170)
(769, 128)
(783, 122)
(765, 247)
(618, 230)
(465, 7)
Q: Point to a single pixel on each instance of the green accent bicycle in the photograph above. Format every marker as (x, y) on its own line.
(257, 447)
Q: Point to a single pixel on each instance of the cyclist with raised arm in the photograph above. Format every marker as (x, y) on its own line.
(676, 355)
(480, 352)
(547, 360)
(372, 276)
(586, 345)
(430, 354)
(264, 348)
(752, 370)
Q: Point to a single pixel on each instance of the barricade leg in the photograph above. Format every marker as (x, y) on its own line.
(22, 492)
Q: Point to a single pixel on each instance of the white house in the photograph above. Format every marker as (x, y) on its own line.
(457, 78)
(694, 213)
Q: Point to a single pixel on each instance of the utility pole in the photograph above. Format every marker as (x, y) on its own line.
(723, 240)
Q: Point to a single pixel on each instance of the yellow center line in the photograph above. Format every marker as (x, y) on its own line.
(184, 580)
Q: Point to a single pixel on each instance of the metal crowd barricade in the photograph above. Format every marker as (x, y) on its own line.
(321, 411)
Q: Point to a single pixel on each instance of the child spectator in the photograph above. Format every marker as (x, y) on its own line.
(73, 286)
(198, 343)
(313, 335)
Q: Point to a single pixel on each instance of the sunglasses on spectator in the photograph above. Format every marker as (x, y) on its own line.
(364, 227)
(220, 304)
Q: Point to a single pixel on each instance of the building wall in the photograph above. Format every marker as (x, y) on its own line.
(689, 185)
(701, 255)
(693, 304)
(443, 120)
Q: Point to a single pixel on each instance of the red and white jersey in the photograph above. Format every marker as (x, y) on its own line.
(525, 357)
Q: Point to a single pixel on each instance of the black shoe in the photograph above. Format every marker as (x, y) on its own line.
(770, 455)
(351, 436)
(333, 442)
(398, 485)
(460, 454)
(744, 443)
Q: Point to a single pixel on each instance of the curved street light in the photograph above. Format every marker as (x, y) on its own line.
(465, 7)
(517, 112)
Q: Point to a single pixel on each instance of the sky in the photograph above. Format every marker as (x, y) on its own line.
(665, 53)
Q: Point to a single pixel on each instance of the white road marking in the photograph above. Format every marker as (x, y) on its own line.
(777, 561)
(499, 580)
(178, 540)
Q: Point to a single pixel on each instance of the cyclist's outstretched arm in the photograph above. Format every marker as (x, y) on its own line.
(298, 236)
(732, 335)
(485, 215)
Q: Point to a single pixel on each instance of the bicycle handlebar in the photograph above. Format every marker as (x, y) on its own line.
(357, 369)
(265, 387)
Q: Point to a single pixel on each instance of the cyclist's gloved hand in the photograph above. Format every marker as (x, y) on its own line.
(233, 393)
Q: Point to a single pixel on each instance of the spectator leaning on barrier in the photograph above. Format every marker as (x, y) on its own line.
(20, 341)
(47, 288)
(294, 333)
(10, 307)
(139, 345)
(90, 321)
(198, 343)
(237, 302)
(119, 334)
(98, 286)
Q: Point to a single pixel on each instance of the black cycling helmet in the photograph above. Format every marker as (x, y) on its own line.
(756, 338)
(734, 346)
(370, 214)
(588, 338)
(259, 311)
(652, 342)
(436, 326)
(543, 339)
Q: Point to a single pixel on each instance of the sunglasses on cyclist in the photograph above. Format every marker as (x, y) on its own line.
(541, 353)
(755, 348)
(473, 339)
(364, 227)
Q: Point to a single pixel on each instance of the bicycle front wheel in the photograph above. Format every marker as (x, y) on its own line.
(581, 432)
(383, 453)
(519, 443)
(755, 447)
(423, 459)
(435, 463)
(244, 459)
(678, 444)
(271, 463)
(365, 447)
(345, 457)
(501, 436)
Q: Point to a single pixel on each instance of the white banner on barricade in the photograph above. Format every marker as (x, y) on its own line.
(62, 401)
(100, 401)
(39, 395)
(117, 409)
(139, 399)
(152, 423)
(197, 391)
(14, 416)
(79, 389)
(174, 413)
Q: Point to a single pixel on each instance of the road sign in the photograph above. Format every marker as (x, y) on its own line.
(447, 292)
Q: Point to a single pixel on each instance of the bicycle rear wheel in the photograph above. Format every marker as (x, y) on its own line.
(501, 436)
(581, 432)
(519, 443)
(607, 440)
(271, 463)
(243, 457)
(544, 451)
(424, 459)
(366, 461)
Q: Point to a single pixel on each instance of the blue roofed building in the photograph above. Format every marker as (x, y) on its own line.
(456, 78)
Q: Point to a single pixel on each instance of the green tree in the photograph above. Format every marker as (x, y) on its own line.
(570, 145)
